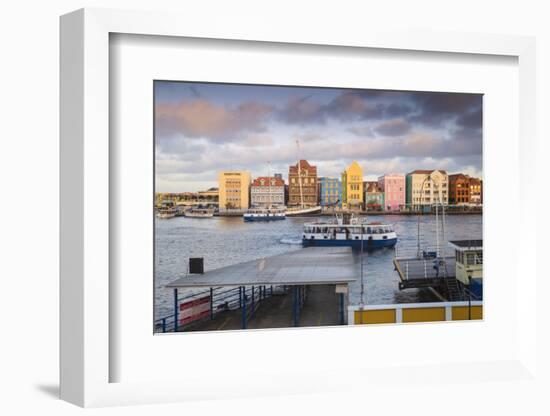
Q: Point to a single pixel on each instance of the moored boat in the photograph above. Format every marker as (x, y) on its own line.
(199, 213)
(348, 230)
(302, 211)
(264, 214)
(166, 214)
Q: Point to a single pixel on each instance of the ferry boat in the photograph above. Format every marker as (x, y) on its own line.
(264, 214)
(199, 213)
(348, 230)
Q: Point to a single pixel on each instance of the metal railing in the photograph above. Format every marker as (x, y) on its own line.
(221, 299)
(427, 251)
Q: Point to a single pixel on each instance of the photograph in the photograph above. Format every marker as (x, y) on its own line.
(283, 206)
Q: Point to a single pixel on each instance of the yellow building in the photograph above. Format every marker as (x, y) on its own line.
(352, 186)
(234, 188)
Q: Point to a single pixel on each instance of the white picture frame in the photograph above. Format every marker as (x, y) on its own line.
(86, 332)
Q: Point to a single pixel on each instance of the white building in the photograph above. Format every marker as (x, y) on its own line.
(267, 191)
(426, 188)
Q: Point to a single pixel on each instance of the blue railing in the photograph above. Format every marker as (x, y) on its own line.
(221, 299)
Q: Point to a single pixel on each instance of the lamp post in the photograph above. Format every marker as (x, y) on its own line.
(469, 297)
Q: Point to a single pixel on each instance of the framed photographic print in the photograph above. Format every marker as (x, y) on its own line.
(289, 209)
(285, 206)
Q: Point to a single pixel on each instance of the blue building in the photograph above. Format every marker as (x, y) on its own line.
(330, 192)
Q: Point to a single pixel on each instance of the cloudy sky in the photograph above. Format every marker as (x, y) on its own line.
(203, 128)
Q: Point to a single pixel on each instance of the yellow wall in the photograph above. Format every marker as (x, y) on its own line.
(423, 314)
(413, 313)
(234, 189)
(354, 185)
(381, 316)
(461, 313)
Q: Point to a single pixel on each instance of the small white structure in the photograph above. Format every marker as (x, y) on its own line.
(469, 264)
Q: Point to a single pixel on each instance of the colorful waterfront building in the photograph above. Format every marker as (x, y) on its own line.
(464, 190)
(425, 188)
(233, 190)
(393, 186)
(374, 196)
(459, 189)
(267, 191)
(330, 192)
(476, 191)
(302, 184)
(352, 186)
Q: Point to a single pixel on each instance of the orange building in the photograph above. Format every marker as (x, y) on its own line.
(464, 189)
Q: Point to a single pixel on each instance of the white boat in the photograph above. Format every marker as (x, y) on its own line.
(297, 211)
(166, 214)
(264, 214)
(349, 231)
(199, 213)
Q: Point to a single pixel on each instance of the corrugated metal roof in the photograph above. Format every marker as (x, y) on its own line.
(308, 266)
(467, 244)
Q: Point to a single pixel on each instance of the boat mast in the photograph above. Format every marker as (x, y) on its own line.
(300, 175)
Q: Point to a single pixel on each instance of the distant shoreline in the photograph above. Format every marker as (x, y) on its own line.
(369, 213)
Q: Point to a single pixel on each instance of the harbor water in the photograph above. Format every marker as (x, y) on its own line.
(224, 241)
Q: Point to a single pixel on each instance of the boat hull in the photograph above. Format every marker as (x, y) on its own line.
(303, 211)
(199, 213)
(355, 244)
(263, 218)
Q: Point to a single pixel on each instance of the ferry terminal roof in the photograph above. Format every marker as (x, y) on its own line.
(307, 266)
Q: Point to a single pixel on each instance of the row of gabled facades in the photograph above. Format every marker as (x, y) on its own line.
(391, 192)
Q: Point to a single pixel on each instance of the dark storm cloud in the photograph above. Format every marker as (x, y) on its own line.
(346, 106)
(397, 110)
(426, 108)
(435, 108)
(395, 127)
(352, 106)
(471, 119)
(302, 110)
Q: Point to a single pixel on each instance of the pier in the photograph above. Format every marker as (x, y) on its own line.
(307, 287)
(429, 272)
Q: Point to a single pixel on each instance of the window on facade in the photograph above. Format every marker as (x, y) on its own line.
(479, 257)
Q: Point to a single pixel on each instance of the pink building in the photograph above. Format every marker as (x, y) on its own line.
(393, 185)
